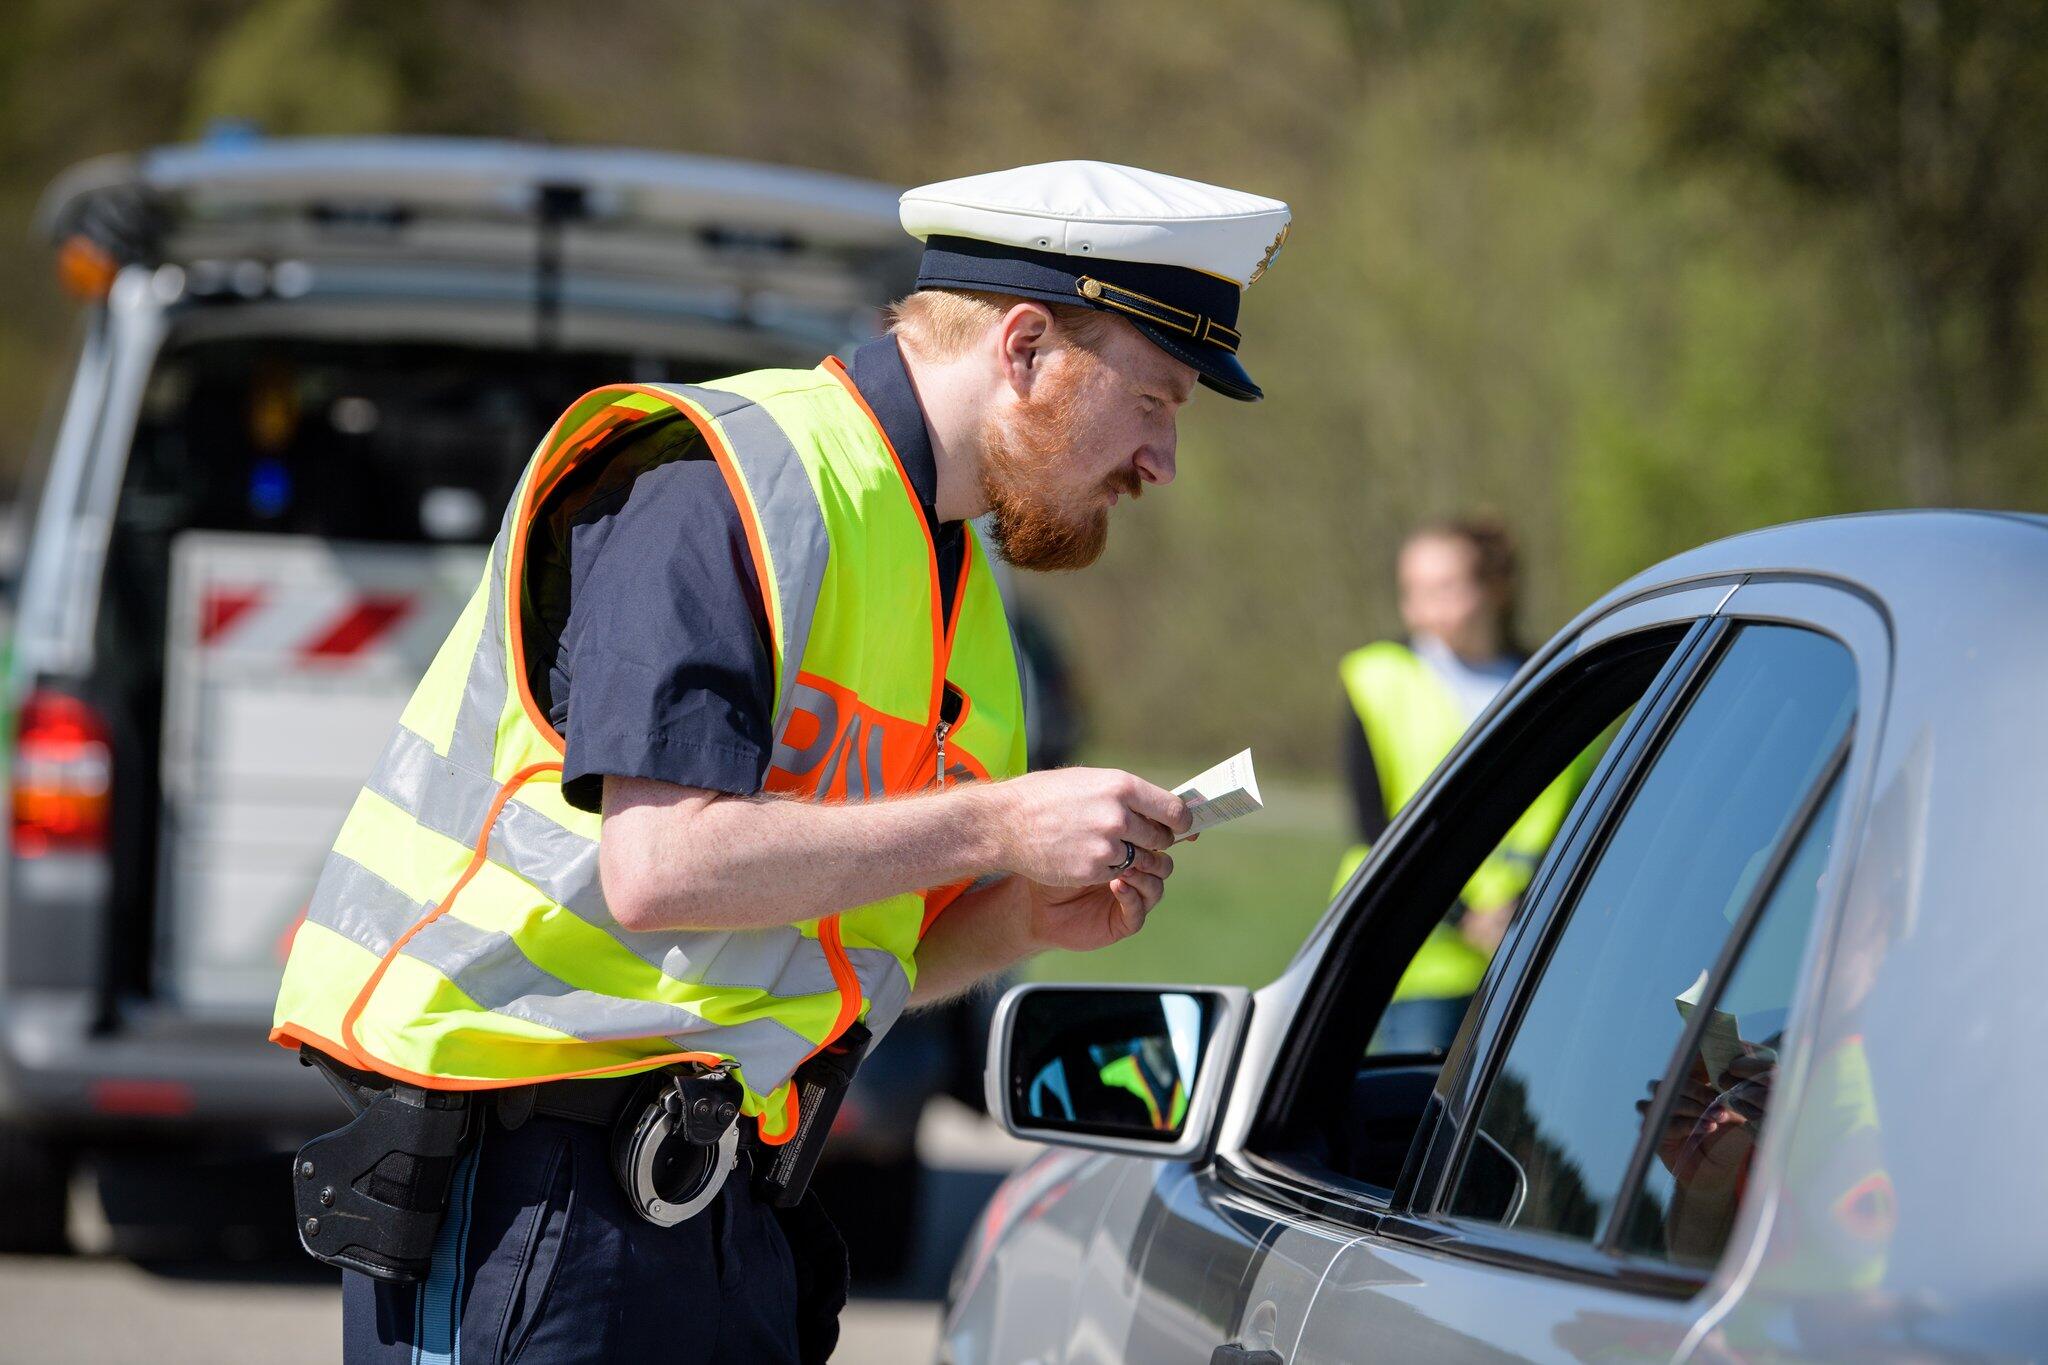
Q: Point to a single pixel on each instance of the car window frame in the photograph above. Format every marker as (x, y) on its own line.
(1687, 609)
(1831, 608)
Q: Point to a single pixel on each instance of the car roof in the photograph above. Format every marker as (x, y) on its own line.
(1876, 551)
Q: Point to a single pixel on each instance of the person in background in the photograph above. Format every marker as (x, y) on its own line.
(1409, 701)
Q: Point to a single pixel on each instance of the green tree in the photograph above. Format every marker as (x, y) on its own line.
(1926, 115)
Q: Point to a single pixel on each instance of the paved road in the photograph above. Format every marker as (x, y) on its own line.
(94, 1308)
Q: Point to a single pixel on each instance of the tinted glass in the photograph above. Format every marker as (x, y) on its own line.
(1115, 1062)
(1561, 1118)
(1436, 990)
(1710, 1126)
(389, 442)
(383, 442)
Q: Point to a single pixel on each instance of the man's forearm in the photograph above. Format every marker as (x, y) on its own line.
(752, 864)
(980, 934)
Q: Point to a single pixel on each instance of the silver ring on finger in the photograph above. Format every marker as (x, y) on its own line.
(1130, 856)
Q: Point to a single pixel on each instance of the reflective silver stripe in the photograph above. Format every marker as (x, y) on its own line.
(361, 906)
(799, 547)
(489, 968)
(484, 687)
(825, 708)
(884, 983)
(446, 798)
(562, 865)
(779, 961)
(858, 750)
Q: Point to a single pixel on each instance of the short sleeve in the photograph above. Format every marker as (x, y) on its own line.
(663, 670)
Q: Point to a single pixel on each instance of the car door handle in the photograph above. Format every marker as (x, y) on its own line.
(1230, 1353)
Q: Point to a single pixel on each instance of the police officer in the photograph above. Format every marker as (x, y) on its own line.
(626, 869)
(1409, 702)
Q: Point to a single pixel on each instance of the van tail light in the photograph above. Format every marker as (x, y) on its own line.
(85, 268)
(63, 766)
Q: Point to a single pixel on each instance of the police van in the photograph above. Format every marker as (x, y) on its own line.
(310, 374)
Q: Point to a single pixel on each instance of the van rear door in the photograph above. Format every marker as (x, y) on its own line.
(287, 662)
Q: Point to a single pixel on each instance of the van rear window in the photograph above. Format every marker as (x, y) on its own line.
(352, 441)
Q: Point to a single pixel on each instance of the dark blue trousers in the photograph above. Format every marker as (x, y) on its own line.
(541, 1260)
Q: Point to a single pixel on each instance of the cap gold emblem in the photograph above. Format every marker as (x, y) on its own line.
(1271, 251)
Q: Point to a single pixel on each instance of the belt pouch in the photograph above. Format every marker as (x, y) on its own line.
(820, 1085)
(370, 1195)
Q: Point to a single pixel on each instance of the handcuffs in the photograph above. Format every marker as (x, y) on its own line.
(673, 1159)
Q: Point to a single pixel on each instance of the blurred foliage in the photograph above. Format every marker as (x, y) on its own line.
(1634, 275)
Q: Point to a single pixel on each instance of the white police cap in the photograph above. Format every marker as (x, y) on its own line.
(1173, 255)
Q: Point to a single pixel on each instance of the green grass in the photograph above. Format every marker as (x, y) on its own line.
(1240, 900)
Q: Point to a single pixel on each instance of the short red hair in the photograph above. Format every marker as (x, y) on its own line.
(940, 324)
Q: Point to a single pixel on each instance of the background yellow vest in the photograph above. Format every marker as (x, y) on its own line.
(1411, 722)
(458, 936)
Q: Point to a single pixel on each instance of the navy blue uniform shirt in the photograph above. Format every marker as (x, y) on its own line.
(662, 667)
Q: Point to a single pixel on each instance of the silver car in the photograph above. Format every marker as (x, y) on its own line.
(1752, 1076)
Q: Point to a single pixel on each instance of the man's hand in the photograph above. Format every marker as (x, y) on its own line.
(1068, 827)
(1709, 1132)
(1082, 919)
(992, 928)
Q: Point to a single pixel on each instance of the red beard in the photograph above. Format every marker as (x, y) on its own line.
(1037, 522)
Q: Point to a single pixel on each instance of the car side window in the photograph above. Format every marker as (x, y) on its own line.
(1346, 1109)
(1694, 846)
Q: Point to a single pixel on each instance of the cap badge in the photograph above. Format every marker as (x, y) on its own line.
(1271, 252)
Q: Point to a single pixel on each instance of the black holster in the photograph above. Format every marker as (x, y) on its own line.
(370, 1195)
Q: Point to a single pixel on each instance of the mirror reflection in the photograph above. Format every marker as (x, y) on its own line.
(1120, 1063)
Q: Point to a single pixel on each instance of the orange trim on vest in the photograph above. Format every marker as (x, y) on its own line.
(293, 1037)
(544, 482)
(843, 976)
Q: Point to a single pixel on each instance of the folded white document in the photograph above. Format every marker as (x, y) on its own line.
(1225, 792)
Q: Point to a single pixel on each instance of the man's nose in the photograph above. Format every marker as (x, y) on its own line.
(1156, 462)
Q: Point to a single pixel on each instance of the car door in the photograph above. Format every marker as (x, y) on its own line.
(1576, 1181)
(1177, 1262)
(1235, 1254)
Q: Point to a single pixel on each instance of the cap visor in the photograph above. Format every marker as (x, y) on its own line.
(1218, 369)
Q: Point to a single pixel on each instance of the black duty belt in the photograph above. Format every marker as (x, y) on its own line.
(599, 1100)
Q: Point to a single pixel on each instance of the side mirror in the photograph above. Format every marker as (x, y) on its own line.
(1138, 1069)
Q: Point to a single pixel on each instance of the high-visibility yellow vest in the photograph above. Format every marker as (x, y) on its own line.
(458, 936)
(1411, 721)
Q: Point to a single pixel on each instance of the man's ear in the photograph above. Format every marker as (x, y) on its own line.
(1022, 340)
